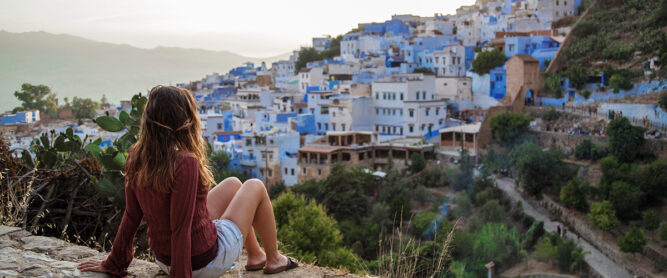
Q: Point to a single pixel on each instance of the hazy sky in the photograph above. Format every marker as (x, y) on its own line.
(252, 28)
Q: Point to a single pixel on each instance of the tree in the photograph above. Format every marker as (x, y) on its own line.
(603, 216)
(651, 219)
(624, 139)
(509, 127)
(422, 222)
(538, 169)
(573, 195)
(423, 70)
(84, 108)
(37, 97)
(578, 75)
(652, 181)
(626, 199)
(587, 150)
(220, 167)
(570, 256)
(342, 194)
(306, 55)
(306, 231)
(417, 163)
(553, 84)
(633, 241)
(488, 60)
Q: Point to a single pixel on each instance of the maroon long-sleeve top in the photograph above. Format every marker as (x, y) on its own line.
(180, 231)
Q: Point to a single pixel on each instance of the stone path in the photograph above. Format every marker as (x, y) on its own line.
(598, 261)
(25, 255)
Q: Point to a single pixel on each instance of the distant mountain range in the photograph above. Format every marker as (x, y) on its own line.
(75, 66)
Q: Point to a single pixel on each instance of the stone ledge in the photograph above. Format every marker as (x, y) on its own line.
(25, 255)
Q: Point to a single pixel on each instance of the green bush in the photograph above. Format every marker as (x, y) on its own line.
(488, 60)
(552, 83)
(603, 216)
(624, 139)
(538, 169)
(545, 250)
(422, 222)
(573, 195)
(306, 232)
(633, 241)
(508, 128)
(587, 150)
(651, 219)
(586, 94)
(626, 199)
(578, 75)
(570, 256)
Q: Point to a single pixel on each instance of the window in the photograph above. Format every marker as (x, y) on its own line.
(393, 112)
(401, 111)
(393, 96)
(424, 95)
(248, 142)
(219, 126)
(333, 126)
(412, 112)
(423, 126)
(303, 171)
(319, 172)
(377, 95)
(377, 111)
(343, 126)
(334, 114)
(292, 171)
(270, 173)
(417, 95)
(319, 125)
(427, 111)
(326, 126)
(411, 128)
(437, 111)
(285, 171)
(437, 60)
(401, 96)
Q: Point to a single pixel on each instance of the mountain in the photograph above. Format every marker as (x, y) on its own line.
(75, 66)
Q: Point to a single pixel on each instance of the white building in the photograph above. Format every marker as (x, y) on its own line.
(450, 61)
(405, 105)
(311, 77)
(453, 88)
(318, 105)
(347, 113)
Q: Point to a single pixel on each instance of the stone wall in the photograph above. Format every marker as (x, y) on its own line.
(564, 141)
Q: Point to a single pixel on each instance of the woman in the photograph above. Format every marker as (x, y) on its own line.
(167, 180)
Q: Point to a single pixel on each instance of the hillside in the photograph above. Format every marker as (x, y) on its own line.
(618, 33)
(74, 66)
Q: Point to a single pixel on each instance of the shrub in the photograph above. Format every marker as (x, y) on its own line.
(538, 169)
(492, 211)
(534, 233)
(624, 139)
(507, 128)
(417, 163)
(551, 115)
(603, 216)
(633, 241)
(651, 219)
(573, 195)
(586, 94)
(487, 60)
(570, 256)
(587, 150)
(578, 75)
(545, 250)
(626, 199)
(422, 222)
(552, 83)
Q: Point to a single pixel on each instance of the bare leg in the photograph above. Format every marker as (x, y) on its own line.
(251, 207)
(218, 200)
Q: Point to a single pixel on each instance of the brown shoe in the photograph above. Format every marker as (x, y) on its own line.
(291, 264)
(255, 267)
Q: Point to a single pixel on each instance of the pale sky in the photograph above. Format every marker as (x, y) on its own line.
(257, 28)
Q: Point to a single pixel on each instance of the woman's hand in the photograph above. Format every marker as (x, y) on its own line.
(92, 265)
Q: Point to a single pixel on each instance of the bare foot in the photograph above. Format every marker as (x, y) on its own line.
(277, 262)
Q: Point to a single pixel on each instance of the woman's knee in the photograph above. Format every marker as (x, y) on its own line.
(231, 182)
(255, 184)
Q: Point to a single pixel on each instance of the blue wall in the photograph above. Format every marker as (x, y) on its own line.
(498, 79)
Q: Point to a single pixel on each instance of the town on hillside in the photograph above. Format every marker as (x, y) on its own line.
(454, 91)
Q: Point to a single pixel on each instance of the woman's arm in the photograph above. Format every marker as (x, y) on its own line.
(121, 252)
(181, 212)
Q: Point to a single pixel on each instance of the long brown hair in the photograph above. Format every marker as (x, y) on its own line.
(170, 123)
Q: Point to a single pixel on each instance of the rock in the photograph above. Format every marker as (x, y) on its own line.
(6, 230)
(74, 252)
(36, 270)
(35, 257)
(8, 273)
(8, 243)
(41, 243)
(19, 234)
(63, 265)
(8, 254)
(9, 266)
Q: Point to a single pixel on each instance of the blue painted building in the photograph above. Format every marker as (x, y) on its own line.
(498, 83)
(24, 117)
(541, 48)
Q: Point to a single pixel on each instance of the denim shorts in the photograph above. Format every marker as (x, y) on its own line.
(230, 245)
